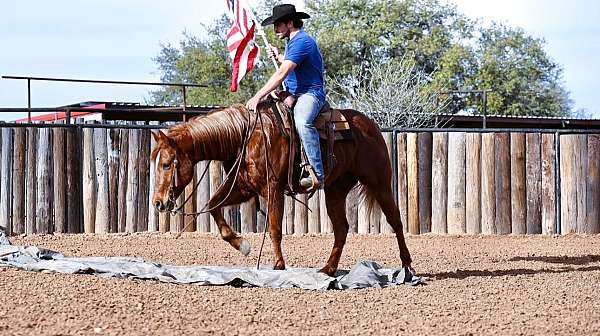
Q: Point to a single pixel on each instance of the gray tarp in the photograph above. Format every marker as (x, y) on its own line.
(363, 275)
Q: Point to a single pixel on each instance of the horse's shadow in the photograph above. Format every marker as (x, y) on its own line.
(571, 264)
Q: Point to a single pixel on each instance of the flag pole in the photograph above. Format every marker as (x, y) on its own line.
(261, 32)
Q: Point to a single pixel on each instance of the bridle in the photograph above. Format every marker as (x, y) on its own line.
(234, 171)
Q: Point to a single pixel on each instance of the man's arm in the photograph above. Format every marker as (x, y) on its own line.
(273, 83)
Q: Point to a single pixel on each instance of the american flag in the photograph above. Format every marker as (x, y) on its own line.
(240, 42)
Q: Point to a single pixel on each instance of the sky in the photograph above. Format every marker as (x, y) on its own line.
(117, 39)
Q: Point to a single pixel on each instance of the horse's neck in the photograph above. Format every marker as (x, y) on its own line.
(211, 147)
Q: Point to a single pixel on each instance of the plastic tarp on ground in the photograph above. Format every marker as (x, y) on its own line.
(365, 274)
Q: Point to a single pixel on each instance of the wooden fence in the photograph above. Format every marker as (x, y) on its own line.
(93, 179)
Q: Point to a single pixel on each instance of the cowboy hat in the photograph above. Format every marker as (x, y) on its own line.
(285, 11)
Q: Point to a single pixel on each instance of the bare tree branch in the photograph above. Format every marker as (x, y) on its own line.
(394, 93)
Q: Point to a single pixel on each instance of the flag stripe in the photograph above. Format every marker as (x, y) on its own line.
(240, 42)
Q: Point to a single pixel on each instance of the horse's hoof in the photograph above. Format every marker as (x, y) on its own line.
(328, 270)
(279, 266)
(245, 247)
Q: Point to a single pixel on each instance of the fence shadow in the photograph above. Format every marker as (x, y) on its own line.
(564, 260)
(572, 263)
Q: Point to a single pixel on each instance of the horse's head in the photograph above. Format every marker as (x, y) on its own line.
(174, 170)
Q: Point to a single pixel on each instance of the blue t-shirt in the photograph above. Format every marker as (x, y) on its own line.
(307, 77)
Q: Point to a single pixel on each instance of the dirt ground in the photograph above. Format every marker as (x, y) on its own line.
(477, 285)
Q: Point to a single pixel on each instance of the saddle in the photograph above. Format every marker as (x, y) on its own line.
(332, 126)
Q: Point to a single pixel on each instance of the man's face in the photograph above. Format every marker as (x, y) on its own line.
(281, 29)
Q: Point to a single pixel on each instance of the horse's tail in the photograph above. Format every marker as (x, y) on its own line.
(365, 195)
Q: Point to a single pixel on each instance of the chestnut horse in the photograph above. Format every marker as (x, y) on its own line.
(248, 142)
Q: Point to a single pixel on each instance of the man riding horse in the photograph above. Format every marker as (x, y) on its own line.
(302, 72)
(253, 150)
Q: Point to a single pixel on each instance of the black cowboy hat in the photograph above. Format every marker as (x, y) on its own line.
(285, 11)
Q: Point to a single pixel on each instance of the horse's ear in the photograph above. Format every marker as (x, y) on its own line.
(160, 136)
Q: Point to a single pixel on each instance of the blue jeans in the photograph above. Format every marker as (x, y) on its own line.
(306, 111)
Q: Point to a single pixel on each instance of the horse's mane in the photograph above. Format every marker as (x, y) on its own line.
(219, 131)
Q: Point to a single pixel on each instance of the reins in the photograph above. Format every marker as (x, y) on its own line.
(235, 168)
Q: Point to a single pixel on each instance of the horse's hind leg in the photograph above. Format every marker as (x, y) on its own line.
(385, 198)
(335, 199)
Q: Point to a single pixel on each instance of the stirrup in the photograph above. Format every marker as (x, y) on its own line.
(311, 183)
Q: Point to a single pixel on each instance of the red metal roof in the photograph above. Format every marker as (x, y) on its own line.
(55, 116)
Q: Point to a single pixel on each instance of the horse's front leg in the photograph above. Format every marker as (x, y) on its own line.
(275, 203)
(216, 204)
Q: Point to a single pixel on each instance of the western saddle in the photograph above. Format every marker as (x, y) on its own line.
(332, 126)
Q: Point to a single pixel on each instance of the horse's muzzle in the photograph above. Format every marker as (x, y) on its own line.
(162, 207)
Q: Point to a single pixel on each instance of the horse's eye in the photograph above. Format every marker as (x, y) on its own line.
(166, 166)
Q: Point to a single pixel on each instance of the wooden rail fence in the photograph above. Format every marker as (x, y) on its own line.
(99, 180)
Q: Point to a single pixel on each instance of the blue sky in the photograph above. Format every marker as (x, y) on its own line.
(116, 40)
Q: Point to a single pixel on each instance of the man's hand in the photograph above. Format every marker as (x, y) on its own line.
(252, 103)
(273, 52)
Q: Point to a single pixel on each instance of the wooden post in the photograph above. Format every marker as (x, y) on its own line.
(60, 180)
(74, 188)
(573, 160)
(352, 210)
(568, 183)
(314, 216)
(44, 182)
(31, 201)
(518, 191)
(326, 225)
(190, 206)
(439, 183)
(215, 182)
(152, 213)
(582, 170)
(5, 180)
(101, 169)
(132, 202)
(260, 216)
(502, 181)
(18, 175)
(534, 184)
(89, 181)
(457, 223)
(384, 225)
(164, 222)
(364, 218)
(593, 185)
(488, 190)
(203, 192)
(301, 216)
(114, 145)
(144, 181)
(123, 180)
(375, 219)
(548, 185)
(473, 181)
(412, 176)
(424, 166)
(248, 214)
(402, 179)
(288, 215)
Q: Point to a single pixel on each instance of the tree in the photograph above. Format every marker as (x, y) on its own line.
(523, 79)
(205, 61)
(397, 94)
(451, 51)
